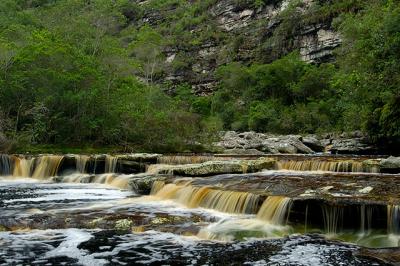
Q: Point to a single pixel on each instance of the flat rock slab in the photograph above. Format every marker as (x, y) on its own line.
(336, 187)
(217, 167)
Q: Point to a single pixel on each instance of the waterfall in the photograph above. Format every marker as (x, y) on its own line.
(332, 215)
(206, 197)
(5, 165)
(331, 166)
(47, 166)
(156, 168)
(157, 186)
(23, 167)
(81, 162)
(393, 219)
(365, 219)
(275, 210)
(168, 191)
(111, 164)
(119, 181)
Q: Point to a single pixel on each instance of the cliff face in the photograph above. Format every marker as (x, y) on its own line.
(247, 34)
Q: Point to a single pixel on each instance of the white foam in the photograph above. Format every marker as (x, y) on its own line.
(69, 248)
(293, 253)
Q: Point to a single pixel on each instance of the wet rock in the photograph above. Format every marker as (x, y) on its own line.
(3, 228)
(372, 164)
(390, 256)
(140, 157)
(390, 165)
(218, 167)
(366, 190)
(143, 183)
(123, 225)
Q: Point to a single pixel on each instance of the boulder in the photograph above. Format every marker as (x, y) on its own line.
(390, 165)
(296, 141)
(289, 144)
(142, 183)
(351, 146)
(313, 143)
(345, 143)
(286, 148)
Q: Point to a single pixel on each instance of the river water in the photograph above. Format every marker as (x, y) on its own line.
(45, 223)
(78, 210)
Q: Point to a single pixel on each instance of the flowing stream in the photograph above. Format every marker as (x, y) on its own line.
(52, 214)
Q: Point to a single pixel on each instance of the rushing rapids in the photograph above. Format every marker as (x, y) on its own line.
(85, 210)
(193, 197)
(332, 166)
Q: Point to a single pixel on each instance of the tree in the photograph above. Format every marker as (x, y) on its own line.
(147, 49)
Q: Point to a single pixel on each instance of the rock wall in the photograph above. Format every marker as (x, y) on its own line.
(250, 29)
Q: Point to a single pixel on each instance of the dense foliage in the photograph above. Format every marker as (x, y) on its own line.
(68, 77)
(82, 72)
(360, 91)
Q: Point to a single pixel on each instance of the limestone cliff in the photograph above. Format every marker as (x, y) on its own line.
(246, 33)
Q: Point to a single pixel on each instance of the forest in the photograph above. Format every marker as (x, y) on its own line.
(82, 73)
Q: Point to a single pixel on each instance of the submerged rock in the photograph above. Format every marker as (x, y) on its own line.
(123, 225)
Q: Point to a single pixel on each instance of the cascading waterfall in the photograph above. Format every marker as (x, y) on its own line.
(5, 165)
(81, 162)
(393, 219)
(206, 197)
(23, 167)
(333, 217)
(366, 219)
(271, 222)
(119, 181)
(275, 210)
(111, 164)
(331, 166)
(48, 166)
(157, 186)
(155, 168)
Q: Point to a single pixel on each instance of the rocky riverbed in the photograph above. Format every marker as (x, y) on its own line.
(193, 210)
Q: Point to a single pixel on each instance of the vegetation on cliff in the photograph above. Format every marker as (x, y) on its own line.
(78, 72)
